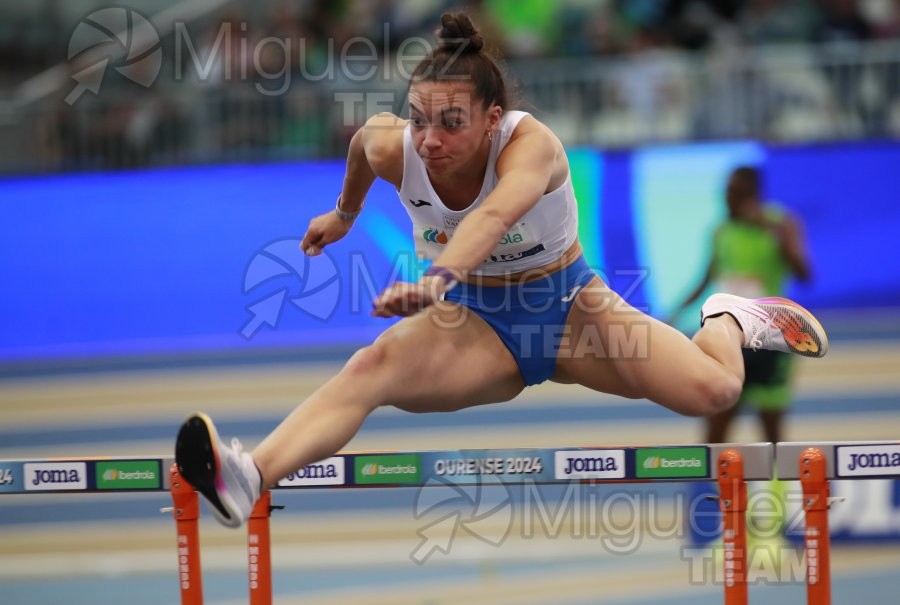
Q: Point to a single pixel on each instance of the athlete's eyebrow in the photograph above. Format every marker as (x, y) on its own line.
(454, 108)
(458, 110)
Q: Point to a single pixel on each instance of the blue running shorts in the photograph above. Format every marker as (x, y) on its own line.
(528, 317)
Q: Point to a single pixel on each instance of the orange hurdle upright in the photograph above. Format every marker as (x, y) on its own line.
(187, 512)
(733, 502)
(259, 556)
(813, 478)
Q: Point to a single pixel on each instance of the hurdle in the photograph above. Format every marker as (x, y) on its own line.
(729, 465)
(814, 464)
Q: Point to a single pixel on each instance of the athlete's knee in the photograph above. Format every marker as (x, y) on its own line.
(385, 361)
(367, 360)
(369, 368)
(715, 394)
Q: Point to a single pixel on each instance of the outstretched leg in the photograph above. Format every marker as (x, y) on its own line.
(443, 359)
(637, 356)
(614, 348)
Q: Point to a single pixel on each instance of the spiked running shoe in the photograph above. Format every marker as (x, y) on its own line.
(776, 324)
(226, 476)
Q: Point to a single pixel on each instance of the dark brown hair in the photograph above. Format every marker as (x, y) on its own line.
(460, 55)
(750, 178)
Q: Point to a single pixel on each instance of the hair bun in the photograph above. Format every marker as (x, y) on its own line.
(457, 32)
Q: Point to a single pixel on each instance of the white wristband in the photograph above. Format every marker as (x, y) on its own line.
(344, 216)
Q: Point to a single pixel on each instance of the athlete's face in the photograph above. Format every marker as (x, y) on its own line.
(741, 196)
(449, 124)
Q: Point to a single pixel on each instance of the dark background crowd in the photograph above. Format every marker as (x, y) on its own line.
(673, 69)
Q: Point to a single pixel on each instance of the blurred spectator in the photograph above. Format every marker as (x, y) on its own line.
(841, 29)
(287, 27)
(604, 33)
(692, 23)
(528, 26)
(723, 108)
(777, 21)
(884, 18)
(251, 100)
(647, 84)
(841, 22)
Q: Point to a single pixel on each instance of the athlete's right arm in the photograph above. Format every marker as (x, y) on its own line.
(695, 294)
(700, 289)
(376, 150)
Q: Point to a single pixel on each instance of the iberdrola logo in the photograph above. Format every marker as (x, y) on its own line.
(111, 475)
(652, 462)
(387, 468)
(435, 235)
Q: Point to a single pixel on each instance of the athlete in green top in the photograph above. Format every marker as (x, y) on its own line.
(754, 252)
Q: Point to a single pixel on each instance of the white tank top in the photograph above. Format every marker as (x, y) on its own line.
(541, 236)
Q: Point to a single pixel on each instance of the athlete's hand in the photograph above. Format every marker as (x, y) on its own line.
(323, 230)
(403, 299)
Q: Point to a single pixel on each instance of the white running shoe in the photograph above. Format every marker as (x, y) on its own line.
(776, 324)
(226, 476)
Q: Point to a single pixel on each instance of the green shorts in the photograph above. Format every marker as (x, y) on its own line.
(767, 380)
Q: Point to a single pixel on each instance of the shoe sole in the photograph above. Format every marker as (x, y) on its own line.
(196, 454)
(796, 323)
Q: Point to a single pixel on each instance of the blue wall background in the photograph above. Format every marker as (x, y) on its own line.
(196, 260)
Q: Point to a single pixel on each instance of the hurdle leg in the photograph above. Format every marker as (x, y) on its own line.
(816, 536)
(187, 512)
(733, 501)
(259, 556)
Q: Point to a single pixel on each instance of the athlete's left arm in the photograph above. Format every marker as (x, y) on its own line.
(526, 166)
(793, 247)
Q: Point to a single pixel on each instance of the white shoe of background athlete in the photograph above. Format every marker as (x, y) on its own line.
(225, 475)
(776, 324)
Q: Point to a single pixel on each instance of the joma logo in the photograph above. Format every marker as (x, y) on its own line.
(51, 476)
(55, 477)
